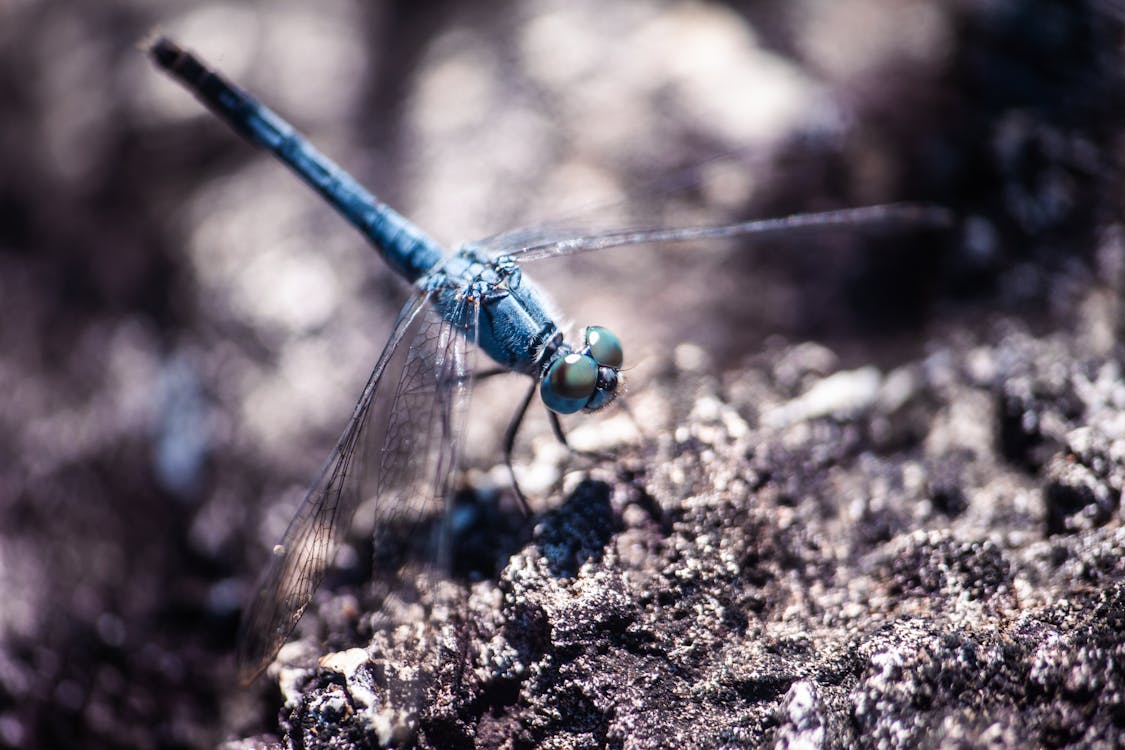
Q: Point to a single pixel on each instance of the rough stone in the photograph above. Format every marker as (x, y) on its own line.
(797, 585)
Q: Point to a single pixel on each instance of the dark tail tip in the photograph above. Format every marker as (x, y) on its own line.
(163, 51)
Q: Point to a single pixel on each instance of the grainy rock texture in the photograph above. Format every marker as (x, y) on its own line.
(875, 496)
(933, 558)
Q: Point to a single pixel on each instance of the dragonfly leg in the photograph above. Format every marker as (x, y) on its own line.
(556, 426)
(510, 442)
(491, 373)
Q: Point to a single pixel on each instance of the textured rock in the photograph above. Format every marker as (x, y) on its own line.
(865, 509)
(807, 583)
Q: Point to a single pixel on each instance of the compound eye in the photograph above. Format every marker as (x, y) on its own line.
(573, 376)
(605, 347)
(569, 384)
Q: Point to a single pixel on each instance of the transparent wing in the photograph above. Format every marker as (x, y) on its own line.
(549, 247)
(593, 218)
(512, 241)
(408, 424)
(426, 417)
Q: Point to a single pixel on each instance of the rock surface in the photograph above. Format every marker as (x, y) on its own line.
(940, 565)
(875, 500)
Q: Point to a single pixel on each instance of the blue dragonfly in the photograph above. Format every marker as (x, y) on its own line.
(410, 418)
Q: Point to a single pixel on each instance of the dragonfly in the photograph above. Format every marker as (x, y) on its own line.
(405, 433)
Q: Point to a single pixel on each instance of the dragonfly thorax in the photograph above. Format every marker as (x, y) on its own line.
(585, 379)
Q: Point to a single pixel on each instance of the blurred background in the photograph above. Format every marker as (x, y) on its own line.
(185, 327)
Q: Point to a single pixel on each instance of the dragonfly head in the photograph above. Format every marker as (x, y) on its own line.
(583, 379)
